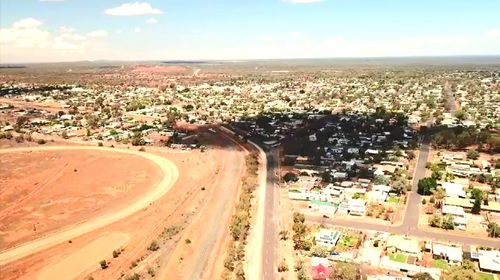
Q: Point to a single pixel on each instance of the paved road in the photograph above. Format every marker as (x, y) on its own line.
(170, 176)
(270, 242)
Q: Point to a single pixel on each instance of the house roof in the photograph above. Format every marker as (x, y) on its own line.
(489, 260)
(454, 253)
(320, 272)
(402, 243)
(453, 210)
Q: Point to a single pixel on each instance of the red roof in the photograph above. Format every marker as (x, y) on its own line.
(320, 272)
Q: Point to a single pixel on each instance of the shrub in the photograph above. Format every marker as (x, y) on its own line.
(424, 201)
(188, 241)
(100, 144)
(19, 138)
(134, 276)
(283, 266)
(142, 149)
(104, 264)
(116, 253)
(41, 141)
(153, 246)
(473, 154)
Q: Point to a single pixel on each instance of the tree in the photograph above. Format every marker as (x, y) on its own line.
(290, 177)
(239, 272)
(493, 229)
(447, 222)
(319, 251)
(476, 208)
(422, 276)
(426, 185)
(459, 273)
(435, 220)
(345, 271)
(473, 154)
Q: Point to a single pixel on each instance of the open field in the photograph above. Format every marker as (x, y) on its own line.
(46, 190)
(205, 188)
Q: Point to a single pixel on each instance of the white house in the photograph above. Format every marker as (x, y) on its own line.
(356, 207)
(327, 238)
(452, 253)
(458, 213)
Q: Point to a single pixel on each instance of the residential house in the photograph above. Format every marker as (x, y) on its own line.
(452, 253)
(327, 238)
(403, 244)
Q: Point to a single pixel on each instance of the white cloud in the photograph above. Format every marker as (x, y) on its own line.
(133, 9)
(302, 1)
(98, 33)
(151, 21)
(294, 35)
(27, 23)
(493, 33)
(137, 29)
(27, 40)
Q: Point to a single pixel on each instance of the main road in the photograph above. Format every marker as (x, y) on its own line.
(161, 188)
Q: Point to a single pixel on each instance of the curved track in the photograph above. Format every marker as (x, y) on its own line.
(161, 188)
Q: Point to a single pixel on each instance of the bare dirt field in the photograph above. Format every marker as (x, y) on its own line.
(41, 191)
(202, 185)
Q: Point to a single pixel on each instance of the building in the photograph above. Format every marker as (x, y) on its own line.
(327, 238)
(458, 214)
(452, 253)
(489, 261)
(403, 244)
(323, 207)
(356, 207)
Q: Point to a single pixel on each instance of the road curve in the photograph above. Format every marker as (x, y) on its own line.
(161, 188)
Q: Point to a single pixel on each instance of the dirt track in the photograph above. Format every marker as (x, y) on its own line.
(170, 176)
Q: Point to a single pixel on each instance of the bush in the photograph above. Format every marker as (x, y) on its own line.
(283, 266)
(188, 241)
(153, 246)
(290, 177)
(134, 276)
(100, 144)
(424, 201)
(142, 149)
(116, 253)
(426, 186)
(19, 138)
(473, 154)
(104, 264)
(41, 141)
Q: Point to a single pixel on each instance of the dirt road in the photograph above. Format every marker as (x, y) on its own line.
(170, 176)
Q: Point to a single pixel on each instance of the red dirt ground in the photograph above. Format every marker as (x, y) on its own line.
(45, 190)
(181, 206)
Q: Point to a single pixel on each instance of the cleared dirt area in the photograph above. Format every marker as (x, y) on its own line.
(201, 200)
(41, 191)
(159, 69)
(81, 260)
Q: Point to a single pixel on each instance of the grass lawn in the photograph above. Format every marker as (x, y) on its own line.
(393, 199)
(441, 264)
(346, 242)
(485, 276)
(398, 258)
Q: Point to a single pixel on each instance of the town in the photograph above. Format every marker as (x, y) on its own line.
(377, 175)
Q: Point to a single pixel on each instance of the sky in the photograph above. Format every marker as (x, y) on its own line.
(74, 30)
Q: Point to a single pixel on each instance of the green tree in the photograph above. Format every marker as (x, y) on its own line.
(476, 207)
(319, 251)
(473, 154)
(435, 220)
(290, 177)
(493, 229)
(448, 222)
(426, 185)
(345, 271)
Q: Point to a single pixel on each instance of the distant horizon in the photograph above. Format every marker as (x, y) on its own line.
(236, 60)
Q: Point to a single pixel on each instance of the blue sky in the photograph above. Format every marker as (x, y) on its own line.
(67, 30)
